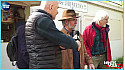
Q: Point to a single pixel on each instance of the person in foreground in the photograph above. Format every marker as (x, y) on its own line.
(43, 38)
(96, 40)
(73, 58)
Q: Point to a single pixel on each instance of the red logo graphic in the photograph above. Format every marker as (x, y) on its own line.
(113, 64)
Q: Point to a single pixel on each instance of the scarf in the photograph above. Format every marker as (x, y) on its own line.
(102, 31)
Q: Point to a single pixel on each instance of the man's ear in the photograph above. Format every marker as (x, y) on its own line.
(51, 6)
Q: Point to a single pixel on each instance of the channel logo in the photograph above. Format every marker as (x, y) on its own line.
(5, 6)
(113, 64)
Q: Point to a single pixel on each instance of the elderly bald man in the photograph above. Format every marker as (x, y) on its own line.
(43, 38)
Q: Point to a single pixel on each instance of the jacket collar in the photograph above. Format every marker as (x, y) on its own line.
(65, 31)
(107, 26)
(42, 11)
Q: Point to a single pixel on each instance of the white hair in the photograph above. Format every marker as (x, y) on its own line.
(100, 15)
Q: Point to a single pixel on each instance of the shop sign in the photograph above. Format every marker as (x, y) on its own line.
(79, 6)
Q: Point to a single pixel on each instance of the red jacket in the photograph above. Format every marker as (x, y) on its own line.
(88, 37)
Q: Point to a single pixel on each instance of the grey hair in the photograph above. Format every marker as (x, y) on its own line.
(63, 23)
(100, 15)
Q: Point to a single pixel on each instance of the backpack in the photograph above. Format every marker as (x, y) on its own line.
(12, 48)
(16, 49)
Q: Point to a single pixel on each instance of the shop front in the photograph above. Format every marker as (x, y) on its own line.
(14, 17)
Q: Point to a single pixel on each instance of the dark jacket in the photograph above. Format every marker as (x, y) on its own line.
(23, 57)
(43, 40)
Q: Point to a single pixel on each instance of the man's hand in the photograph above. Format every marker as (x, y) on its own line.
(61, 47)
(91, 66)
(79, 44)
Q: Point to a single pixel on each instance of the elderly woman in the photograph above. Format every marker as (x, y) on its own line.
(96, 39)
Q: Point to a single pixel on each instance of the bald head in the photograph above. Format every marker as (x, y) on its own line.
(50, 7)
(46, 4)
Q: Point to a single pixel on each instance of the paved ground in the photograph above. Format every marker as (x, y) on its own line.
(5, 63)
